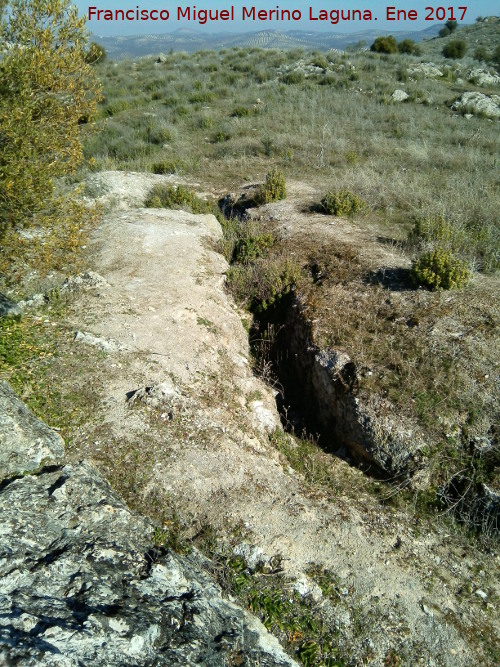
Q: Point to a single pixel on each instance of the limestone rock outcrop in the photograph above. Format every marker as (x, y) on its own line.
(82, 582)
(478, 104)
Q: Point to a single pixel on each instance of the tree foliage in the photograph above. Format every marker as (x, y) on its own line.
(456, 48)
(96, 53)
(409, 46)
(384, 45)
(47, 92)
(449, 27)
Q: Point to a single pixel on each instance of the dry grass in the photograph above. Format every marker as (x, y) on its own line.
(221, 116)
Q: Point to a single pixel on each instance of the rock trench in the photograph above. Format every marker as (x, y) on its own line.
(321, 384)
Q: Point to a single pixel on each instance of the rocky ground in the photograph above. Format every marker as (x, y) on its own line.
(181, 426)
(83, 581)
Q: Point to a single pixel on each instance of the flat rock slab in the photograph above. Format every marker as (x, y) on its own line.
(26, 443)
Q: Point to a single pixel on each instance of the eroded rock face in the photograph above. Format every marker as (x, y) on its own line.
(327, 381)
(478, 104)
(8, 308)
(25, 442)
(82, 583)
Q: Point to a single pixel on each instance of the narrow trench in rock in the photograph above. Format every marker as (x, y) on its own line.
(315, 389)
(286, 359)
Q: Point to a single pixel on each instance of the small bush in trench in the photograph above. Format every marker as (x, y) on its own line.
(263, 282)
(169, 196)
(342, 202)
(440, 269)
(251, 247)
(273, 189)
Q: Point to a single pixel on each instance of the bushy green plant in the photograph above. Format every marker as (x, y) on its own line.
(440, 269)
(294, 77)
(251, 247)
(48, 92)
(95, 54)
(384, 45)
(221, 137)
(449, 27)
(409, 46)
(495, 56)
(170, 196)
(273, 189)
(158, 134)
(436, 229)
(241, 112)
(456, 48)
(168, 167)
(481, 54)
(342, 202)
(260, 284)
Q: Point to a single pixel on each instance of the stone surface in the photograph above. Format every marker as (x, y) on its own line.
(87, 280)
(399, 96)
(83, 584)
(427, 70)
(25, 442)
(106, 345)
(478, 104)
(482, 77)
(8, 308)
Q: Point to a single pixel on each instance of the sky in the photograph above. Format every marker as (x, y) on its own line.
(424, 14)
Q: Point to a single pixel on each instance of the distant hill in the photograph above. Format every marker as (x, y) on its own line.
(134, 46)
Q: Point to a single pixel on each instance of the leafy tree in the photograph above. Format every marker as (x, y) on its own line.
(384, 45)
(409, 46)
(46, 89)
(455, 49)
(449, 27)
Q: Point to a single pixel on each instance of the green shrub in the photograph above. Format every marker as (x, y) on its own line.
(319, 60)
(384, 45)
(95, 53)
(449, 27)
(409, 46)
(293, 77)
(221, 137)
(158, 134)
(241, 112)
(342, 202)
(260, 284)
(48, 93)
(273, 189)
(456, 48)
(168, 167)
(203, 97)
(436, 229)
(169, 196)
(495, 56)
(440, 269)
(251, 247)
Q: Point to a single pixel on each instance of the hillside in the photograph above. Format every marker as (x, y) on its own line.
(190, 41)
(281, 342)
